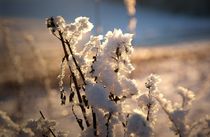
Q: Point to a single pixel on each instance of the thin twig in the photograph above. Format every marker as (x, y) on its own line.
(149, 105)
(75, 62)
(79, 121)
(170, 117)
(75, 81)
(94, 122)
(51, 131)
(107, 124)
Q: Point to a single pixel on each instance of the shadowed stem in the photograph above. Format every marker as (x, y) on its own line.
(149, 105)
(94, 122)
(48, 127)
(79, 121)
(75, 81)
(83, 78)
(75, 62)
(107, 124)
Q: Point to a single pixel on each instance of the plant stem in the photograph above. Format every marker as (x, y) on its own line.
(75, 62)
(170, 117)
(149, 105)
(78, 120)
(75, 82)
(107, 124)
(48, 127)
(94, 122)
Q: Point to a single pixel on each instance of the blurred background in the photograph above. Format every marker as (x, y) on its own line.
(172, 39)
(159, 21)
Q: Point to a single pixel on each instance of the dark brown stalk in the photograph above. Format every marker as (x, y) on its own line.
(107, 124)
(94, 122)
(83, 78)
(79, 121)
(51, 131)
(75, 82)
(75, 62)
(149, 105)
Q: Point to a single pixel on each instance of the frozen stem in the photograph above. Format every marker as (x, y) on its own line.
(107, 124)
(51, 131)
(74, 81)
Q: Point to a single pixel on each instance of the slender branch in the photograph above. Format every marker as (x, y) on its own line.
(79, 121)
(51, 131)
(75, 62)
(75, 82)
(125, 124)
(149, 105)
(107, 124)
(169, 116)
(94, 122)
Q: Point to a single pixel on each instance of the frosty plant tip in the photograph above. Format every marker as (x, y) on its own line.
(110, 103)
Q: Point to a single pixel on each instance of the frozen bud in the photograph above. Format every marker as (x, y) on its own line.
(60, 23)
(51, 24)
(152, 82)
(57, 23)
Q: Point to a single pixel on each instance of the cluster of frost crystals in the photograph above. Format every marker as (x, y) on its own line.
(138, 126)
(113, 64)
(98, 97)
(200, 128)
(10, 129)
(177, 112)
(71, 32)
(187, 96)
(152, 82)
(147, 101)
(41, 126)
(32, 128)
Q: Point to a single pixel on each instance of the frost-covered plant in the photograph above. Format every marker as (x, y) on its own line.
(32, 128)
(110, 102)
